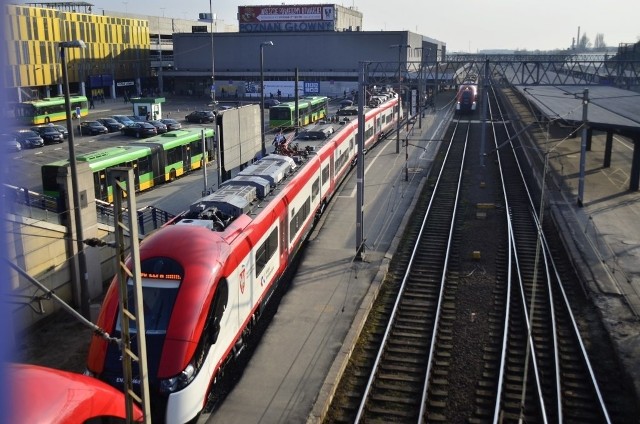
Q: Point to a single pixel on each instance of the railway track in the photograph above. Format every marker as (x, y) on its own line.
(452, 338)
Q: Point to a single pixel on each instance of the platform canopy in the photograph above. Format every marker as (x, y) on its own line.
(609, 108)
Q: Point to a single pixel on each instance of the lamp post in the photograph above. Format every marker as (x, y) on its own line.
(213, 75)
(399, 47)
(264, 43)
(82, 264)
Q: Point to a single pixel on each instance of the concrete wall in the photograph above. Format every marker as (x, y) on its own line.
(41, 249)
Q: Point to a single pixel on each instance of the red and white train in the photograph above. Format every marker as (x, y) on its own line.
(46, 395)
(467, 97)
(208, 274)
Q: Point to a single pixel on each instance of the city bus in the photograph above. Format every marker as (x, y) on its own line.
(50, 109)
(180, 151)
(154, 161)
(310, 109)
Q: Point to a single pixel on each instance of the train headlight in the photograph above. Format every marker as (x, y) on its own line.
(179, 382)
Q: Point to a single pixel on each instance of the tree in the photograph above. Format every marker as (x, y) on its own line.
(584, 43)
(599, 43)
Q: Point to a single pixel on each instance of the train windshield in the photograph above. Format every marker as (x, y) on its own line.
(158, 298)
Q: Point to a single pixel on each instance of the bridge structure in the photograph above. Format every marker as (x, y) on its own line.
(555, 84)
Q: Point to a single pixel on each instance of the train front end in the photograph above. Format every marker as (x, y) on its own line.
(181, 296)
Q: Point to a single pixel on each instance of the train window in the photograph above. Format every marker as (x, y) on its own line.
(325, 174)
(220, 300)
(315, 189)
(266, 251)
(298, 219)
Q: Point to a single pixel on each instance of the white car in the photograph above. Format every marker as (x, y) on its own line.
(11, 144)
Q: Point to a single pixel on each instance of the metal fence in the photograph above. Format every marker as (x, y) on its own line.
(23, 202)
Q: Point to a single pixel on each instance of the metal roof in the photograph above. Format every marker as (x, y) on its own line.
(609, 108)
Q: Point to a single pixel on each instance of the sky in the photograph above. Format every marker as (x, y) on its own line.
(464, 25)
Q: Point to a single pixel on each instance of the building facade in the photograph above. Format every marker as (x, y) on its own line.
(115, 59)
(141, 55)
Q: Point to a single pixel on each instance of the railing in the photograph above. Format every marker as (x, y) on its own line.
(23, 202)
(30, 204)
(149, 218)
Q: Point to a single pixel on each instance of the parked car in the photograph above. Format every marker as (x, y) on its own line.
(136, 118)
(28, 139)
(201, 116)
(10, 143)
(61, 128)
(271, 102)
(111, 124)
(160, 127)
(345, 103)
(140, 130)
(123, 119)
(49, 135)
(171, 124)
(92, 128)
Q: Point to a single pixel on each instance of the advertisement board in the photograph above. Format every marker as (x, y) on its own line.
(286, 18)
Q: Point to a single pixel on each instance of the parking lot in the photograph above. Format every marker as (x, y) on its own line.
(23, 170)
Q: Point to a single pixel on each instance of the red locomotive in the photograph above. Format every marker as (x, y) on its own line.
(208, 274)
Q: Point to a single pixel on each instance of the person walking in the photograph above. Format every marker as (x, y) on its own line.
(92, 105)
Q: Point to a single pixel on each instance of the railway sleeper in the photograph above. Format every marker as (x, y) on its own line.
(434, 417)
(404, 360)
(437, 404)
(397, 352)
(485, 394)
(401, 377)
(408, 335)
(401, 368)
(392, 413)
(403, 389)
(410, 328)
(411, 320)
(480, 416)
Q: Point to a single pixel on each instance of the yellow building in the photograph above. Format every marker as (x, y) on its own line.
(115, 60)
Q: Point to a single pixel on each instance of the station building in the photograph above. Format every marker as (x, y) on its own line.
(322, 44)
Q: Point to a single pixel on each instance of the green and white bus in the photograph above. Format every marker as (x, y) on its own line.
(310, 109)
(50, 109)
(155, 161)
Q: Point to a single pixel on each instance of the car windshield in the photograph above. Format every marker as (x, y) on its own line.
(109, 121)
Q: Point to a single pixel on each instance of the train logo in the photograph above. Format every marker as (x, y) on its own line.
(243, 279)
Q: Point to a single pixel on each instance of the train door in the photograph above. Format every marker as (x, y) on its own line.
(284, 238)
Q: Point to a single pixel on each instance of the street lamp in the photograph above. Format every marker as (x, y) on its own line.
(82, 264)
(264, 43)
(399, 47)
